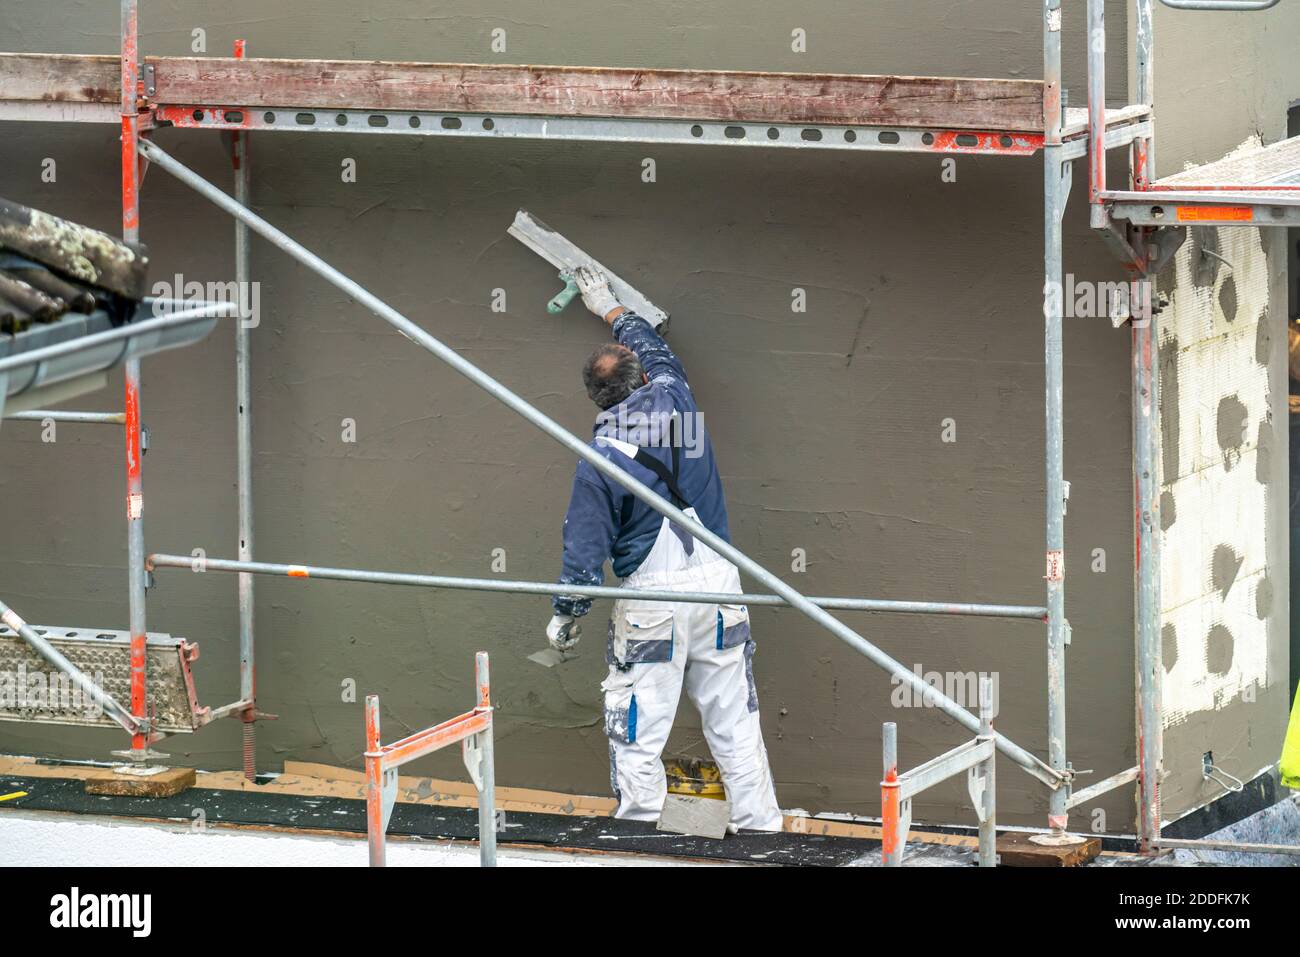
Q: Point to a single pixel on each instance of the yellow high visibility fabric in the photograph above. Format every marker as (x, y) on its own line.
(1290, 764)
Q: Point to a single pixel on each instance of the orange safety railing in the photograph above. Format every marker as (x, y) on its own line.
(473, 729)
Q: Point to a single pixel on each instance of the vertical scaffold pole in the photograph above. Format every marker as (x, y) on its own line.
(244, 448)
(891, 840)
(1146, 518)
(374, 783)
(1146, 505)
(487, 821)
(134, 445)
(1096, 111)
(988, 852)
(1057, 172)
(1144, 146)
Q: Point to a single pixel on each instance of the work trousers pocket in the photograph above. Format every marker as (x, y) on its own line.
(640, 633)
(620, 709)
(733, 626)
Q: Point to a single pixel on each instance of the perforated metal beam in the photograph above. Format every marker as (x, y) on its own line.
(603, 129)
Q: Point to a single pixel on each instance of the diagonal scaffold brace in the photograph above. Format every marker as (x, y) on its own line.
(1055, 780)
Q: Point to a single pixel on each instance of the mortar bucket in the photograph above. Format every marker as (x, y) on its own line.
(694, 777)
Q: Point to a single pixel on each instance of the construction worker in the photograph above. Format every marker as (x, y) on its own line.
(650, 427)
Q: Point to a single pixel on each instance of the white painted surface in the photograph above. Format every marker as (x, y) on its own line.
(47, 839)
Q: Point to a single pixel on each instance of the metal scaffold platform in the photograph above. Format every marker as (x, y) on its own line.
(1257, 187)
(1144, 224)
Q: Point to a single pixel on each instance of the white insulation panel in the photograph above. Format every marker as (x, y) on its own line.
(1215, 404)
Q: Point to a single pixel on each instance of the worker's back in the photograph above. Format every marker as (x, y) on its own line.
(604, 519)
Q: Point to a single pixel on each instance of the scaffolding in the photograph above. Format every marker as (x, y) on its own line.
(976, 759)
(472, 730)
(1143, 224)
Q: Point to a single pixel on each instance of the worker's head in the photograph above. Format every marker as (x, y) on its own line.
(611, 374)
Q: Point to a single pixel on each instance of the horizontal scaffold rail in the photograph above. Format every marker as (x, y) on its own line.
(820, 98)
(969, 609)
(1033, 765)
(843, 112)
(62, 415)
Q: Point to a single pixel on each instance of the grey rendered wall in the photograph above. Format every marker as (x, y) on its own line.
(924, 304)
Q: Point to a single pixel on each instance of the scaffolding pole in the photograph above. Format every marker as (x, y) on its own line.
(1237, 847)
(131, 373)
(324, 573)
(1052, 778)
(1057, 172)
(1141, 257)
(55, 415)
(244, 450)
(1148, 655)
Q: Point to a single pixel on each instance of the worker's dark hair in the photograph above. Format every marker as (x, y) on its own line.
(611, 374)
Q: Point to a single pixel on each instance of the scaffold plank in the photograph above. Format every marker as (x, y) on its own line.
(823, 98)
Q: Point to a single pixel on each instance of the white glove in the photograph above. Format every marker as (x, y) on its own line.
(563, 632)
(596, 294)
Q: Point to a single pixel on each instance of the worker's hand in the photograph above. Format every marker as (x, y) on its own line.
(596, 294)
(563, 632)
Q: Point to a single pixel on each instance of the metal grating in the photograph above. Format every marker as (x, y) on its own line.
(30, 691)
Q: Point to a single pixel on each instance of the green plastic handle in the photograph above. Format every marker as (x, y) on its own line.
(563, 297)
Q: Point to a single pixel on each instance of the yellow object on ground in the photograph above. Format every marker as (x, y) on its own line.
(15, 794)
(1290, 763)
(695, 777)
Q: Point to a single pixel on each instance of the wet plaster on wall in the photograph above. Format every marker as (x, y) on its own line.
(923, 305)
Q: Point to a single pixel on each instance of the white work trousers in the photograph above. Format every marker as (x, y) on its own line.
(656, 648)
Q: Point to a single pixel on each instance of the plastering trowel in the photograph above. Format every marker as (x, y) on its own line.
(550, 657)
(566, 257)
